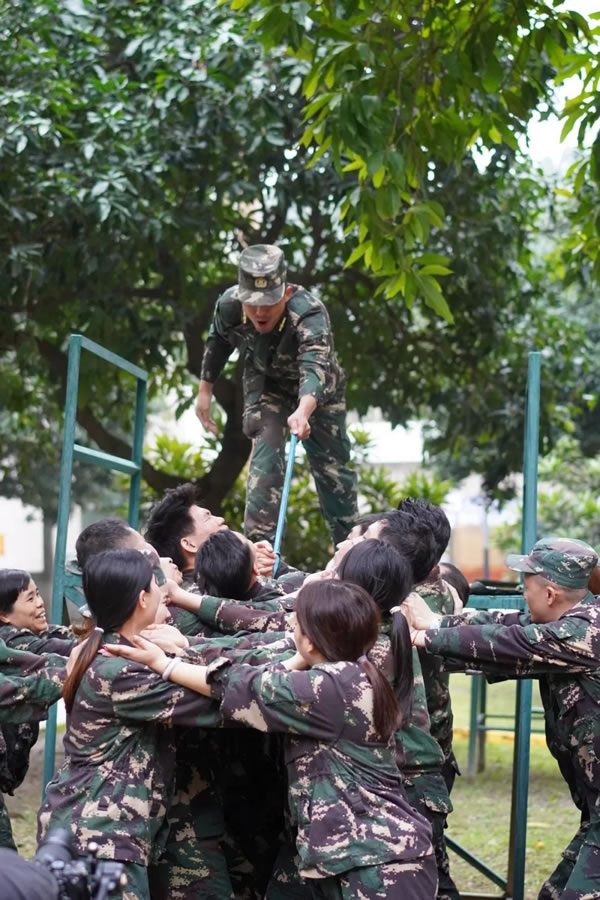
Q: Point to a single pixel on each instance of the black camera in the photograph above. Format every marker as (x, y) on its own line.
(79, 878)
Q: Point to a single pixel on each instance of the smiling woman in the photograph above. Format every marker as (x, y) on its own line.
(23, 623)
(21, 604)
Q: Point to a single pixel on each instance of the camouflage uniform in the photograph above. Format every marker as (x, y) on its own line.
(28, 686)
(345, 791)
(55, 639)
(420, 759)
(295, 360)
(437, 682)
(564, 655)
(117, 784)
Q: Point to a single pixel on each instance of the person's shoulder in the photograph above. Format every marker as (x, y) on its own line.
(228, 307)
(302, 303)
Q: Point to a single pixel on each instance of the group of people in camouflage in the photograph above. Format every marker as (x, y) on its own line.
(281, 737)
(232, 734)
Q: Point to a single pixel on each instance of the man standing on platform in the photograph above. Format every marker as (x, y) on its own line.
(292, 380)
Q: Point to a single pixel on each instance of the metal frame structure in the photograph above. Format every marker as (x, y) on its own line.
(513, 886)
(71, 451)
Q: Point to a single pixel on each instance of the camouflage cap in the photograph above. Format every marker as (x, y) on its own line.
(261, 278)
(563, 561)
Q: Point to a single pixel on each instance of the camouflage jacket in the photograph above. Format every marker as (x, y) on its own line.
(16, 742)
(565, 656)
(117, 781)
(29, 684)
(418, 754)
(345, 790)
(297, 359)
(56, 639)
(265, 610)
(437, 681)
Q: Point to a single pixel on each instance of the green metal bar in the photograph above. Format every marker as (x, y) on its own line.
(471, 764)
(476, 863)
(62, 524)
(137, 450)
(481, 719)
(105, 460)
(112, 358)
(518, 816)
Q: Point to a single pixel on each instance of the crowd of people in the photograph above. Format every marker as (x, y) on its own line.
(231, 734)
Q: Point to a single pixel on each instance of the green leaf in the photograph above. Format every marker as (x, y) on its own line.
(433, 296)
(435, 270)
(311, 82)
(378, 177)
(492, 75)
(357, 254)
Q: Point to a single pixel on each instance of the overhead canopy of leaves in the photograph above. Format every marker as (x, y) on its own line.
(396, 86)
(144, 144)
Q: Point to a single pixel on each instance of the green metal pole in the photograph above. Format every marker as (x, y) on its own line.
(518, 819)
(472, 763)
(62, 524)
(137, 451)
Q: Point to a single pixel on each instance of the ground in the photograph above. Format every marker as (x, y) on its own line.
(480, 821)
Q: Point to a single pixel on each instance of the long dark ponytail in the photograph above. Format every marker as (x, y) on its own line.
(112, 582)
(342, 621)
(388, 577)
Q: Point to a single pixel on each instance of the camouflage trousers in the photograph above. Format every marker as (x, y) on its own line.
(192, 864)
(413, 880)
(427, 793)
(328, 453)
(6, 835)
(577, 876)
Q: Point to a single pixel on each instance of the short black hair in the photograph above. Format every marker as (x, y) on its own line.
(413, 538)
(381, 570)
(434, 516)
(107, 534)
(455, 577)
(12, 583)
(170, 520)
(223, 566)
(363, 522)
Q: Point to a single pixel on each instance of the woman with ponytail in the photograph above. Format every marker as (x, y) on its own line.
(116, 784)
(357, 835)
(388, 577)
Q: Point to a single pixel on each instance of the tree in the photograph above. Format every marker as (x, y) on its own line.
(568, 498)
(144, 145)
(395, 87)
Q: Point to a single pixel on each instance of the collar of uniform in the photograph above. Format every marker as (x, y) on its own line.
(113, 637)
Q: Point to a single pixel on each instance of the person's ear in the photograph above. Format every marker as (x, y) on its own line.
(187, 544)
(3, 619)
(143, 599)
(552, 595)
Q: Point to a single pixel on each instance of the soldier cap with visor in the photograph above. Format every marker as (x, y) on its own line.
(262, 276)
(564, 561)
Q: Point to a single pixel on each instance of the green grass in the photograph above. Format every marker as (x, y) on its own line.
(481, 817)
(480, 821)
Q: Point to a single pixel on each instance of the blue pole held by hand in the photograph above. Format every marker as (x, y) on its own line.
(284, 503)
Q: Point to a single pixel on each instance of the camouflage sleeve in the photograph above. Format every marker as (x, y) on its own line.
(29, 684)
(485, 617)
(522, 650)
(139, 694)
(315, 351)
(230, 617)
(218, 347)
(252, 649)
(56, 639)
(273, 699)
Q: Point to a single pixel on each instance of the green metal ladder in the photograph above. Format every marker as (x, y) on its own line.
(513, 886)
(71, 451)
